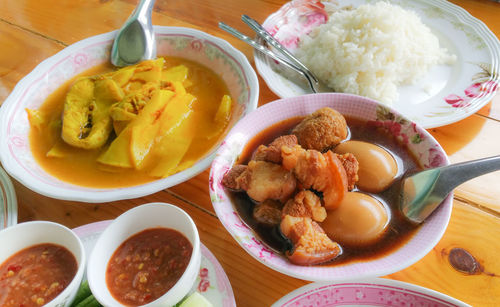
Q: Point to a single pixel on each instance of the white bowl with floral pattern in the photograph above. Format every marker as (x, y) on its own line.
(31, 92)
(423, 146)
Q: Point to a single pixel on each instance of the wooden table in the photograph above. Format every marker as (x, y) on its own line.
(32, 30)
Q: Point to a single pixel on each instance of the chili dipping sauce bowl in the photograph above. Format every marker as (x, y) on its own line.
(16, 238)
(135, 221)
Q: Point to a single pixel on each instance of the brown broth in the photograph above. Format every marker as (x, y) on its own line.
(80, 166)
(399, 229)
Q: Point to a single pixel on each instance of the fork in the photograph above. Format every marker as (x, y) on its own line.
(286, 58)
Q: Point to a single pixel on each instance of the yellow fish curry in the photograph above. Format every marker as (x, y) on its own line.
(129, 126)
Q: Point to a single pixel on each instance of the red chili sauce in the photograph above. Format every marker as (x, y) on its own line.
(36, 275)
(147, 265)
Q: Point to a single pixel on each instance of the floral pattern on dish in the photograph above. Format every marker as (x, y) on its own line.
(418, 140)
(375, 292)
(433, 101)
(301, 16)
(484, 83)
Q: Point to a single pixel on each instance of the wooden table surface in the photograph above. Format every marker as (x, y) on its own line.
(32, 30)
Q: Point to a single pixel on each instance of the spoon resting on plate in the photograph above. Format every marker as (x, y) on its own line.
(422, 192)
(135, 41)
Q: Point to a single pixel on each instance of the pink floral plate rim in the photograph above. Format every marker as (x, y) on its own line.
(446, 95)
(370, 292)
(418, 140)
(212, 282)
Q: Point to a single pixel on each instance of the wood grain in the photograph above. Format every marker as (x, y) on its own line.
(467, 140)
(32, 30)
(21, 52)
(476, 232)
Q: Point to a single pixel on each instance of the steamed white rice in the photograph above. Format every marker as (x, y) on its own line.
(371, 50)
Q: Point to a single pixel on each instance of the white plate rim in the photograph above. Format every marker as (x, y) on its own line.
(388, 284)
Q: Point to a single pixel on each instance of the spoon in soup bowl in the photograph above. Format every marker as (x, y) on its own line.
(422, 192)
(135, 41)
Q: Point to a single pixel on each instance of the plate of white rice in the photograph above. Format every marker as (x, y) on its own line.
(428, 59)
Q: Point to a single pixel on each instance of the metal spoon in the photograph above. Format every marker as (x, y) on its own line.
(422, 192)
(135, 40)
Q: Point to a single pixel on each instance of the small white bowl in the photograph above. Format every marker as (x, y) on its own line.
(134, 221)
(32, 91)
(16, 238)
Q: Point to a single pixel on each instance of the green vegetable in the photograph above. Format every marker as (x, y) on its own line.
(83, 292)
(90, 301)
(196, 300)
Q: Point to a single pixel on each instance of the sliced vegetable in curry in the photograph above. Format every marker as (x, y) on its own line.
(145, 122)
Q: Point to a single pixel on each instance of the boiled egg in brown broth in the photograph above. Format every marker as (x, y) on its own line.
(381, 228)
(377, 167)
(360, 220)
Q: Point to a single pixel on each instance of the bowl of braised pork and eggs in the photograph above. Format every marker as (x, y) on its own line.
(309, 186)
(76, 128)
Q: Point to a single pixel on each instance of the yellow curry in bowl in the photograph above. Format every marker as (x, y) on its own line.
(115, 128)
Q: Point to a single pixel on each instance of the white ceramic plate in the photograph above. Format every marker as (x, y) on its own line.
(212, 282)
(372, 292)
(448, 93)
(8, 201)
